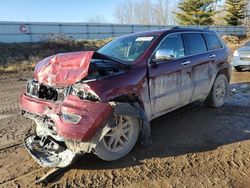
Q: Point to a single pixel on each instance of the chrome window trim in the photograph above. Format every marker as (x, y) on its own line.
(183, 32)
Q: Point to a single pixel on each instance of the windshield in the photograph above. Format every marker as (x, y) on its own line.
(128, 48)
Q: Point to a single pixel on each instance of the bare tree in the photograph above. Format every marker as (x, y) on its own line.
(219, 8)
(145, 12)
(124, 13)
(248, 15)
(216, 4)
(119, 15)
(96, 19)
(161, 12)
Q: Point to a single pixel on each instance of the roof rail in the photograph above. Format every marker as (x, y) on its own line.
(206, 28)
(176, 27)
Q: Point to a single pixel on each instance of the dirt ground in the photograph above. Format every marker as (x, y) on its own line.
(195, 146)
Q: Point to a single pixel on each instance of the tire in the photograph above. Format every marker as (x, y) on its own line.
(238, 69)
(218, 93)
(130, 128)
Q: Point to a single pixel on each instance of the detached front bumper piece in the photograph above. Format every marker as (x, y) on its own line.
(49, 152)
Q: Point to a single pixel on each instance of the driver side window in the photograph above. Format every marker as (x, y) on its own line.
(173, 43)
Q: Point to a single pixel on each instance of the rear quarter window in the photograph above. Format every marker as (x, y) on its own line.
(213, 42)
(194, 43)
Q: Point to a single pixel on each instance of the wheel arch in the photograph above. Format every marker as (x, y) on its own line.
(132, 105)
(128, 98)
(224, 68)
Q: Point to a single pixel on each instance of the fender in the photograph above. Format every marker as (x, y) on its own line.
(222, 68)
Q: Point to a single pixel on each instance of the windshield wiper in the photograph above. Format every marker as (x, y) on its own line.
(98, 55)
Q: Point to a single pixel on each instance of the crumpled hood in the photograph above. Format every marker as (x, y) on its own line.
(63, 69)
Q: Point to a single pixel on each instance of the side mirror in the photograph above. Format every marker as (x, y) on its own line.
(163, 55)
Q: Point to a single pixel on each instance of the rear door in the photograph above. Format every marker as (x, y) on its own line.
(201, 64)
(217, 53)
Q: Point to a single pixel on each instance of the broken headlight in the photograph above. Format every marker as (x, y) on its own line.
(84, 92)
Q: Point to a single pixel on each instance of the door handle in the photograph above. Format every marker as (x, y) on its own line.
(212, 56)
(186, 62)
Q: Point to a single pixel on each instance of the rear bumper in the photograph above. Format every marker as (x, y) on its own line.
(93, 115)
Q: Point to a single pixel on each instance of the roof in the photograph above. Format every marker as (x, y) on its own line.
(163, 31)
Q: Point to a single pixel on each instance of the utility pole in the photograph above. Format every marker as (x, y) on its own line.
(247, 18)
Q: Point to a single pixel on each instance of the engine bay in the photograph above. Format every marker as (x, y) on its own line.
(100, 69)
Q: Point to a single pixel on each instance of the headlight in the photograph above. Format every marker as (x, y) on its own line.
(84, 92)
(236, 53)
(71, 118)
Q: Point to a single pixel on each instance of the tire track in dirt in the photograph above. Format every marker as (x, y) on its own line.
(23, 176)
(13, 129)
(9, 96)
(12, 109)
(17, 164)
(11, 146)
(6, 116)
(12, 81)
(202, 147)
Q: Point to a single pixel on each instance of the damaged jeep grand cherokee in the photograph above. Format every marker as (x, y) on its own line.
(102, 102)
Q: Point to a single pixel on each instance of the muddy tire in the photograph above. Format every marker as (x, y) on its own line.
(219, 91)
(120, 140)
(238, 69)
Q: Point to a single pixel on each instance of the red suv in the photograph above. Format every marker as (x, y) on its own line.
(103, 101)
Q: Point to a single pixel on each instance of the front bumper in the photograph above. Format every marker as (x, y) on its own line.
(48, 152)
(93, 115)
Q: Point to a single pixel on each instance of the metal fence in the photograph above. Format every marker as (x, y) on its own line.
(39, 31)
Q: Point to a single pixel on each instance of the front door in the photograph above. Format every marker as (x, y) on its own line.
(166, 77)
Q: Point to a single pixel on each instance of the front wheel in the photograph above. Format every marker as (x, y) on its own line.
(219, 91)
(119, 140)
(238, 69)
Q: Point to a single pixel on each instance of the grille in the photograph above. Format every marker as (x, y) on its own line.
(42, 91)
(245, 58)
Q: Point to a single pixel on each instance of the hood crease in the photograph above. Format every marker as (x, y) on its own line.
(63, 69)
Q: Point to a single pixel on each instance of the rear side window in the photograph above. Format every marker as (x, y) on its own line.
(194, 43)
(213, 42)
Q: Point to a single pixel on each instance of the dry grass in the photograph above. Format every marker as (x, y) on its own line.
(21, 66)
(17, 67)
(23, 56)
(235, 40)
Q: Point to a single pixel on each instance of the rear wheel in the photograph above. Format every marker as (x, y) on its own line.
(219, 91)
(238, 69)
(119, 140)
